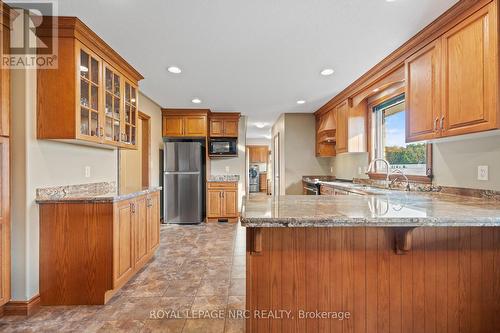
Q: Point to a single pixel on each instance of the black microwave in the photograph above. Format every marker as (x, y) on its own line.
(223, 147)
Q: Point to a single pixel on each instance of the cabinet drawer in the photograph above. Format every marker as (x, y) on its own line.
(223, 185)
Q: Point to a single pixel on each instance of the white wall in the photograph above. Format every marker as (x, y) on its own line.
(41, 163)
(298, 153)
(235, 165)
(258, 142)
(131, 160)
(456, 162)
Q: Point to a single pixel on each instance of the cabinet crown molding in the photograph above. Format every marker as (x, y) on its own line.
(73, 27)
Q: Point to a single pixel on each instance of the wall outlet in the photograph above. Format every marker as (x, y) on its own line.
(482, 172)
(360, 170)
(331, 169)
(227, 169)
(87, 172)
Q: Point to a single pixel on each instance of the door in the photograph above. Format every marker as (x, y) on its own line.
(113, 107)
(141, 230)
(173, 126)
(423, 91)
(231, 128)
(195, 126)
(276, 165)
(341, 146)
(153, 219)
(4, 222)
(470, 74)
(229, 203)
(123, 247)
(216, 127)
(214, 203)
(89, 106)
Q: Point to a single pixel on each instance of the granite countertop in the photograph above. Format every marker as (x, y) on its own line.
(95, 192)
(223, 178)
(380, 208)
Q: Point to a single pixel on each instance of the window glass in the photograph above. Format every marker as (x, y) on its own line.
(389, 119)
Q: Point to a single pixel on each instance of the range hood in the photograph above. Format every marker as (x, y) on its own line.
(327, 128)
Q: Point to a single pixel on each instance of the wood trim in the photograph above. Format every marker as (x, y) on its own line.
(380, 176)
(145, 148)
(185, 112)
(22, 308)
(443, 23)
(73, 27)
(225, 114)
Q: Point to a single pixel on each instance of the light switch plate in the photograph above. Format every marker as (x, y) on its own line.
(227, 169)
(482, 172)
(87, 172)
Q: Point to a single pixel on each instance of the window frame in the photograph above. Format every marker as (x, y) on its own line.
(382, 176)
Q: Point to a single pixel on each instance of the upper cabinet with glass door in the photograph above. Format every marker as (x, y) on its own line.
(90, 97)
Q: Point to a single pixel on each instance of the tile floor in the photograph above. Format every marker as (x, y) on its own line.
(198, 268)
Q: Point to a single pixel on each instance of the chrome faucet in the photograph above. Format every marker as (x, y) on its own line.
(372, 165)
(399, 172)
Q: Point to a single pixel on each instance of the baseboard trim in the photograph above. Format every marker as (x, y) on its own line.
(22, 308)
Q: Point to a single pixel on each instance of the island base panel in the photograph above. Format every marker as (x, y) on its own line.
(449, 281)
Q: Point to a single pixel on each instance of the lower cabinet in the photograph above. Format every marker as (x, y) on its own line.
(89, 250)
(222, 201)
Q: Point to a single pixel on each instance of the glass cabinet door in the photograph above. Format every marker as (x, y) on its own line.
(90, 82)
(130, 121)
(112, 107)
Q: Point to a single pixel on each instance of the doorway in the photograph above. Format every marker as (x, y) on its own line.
(134, 166)
(276, 165)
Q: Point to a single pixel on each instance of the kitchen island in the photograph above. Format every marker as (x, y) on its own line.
(388, 261)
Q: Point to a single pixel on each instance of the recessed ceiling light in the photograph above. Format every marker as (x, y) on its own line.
(196, 100)
(327, 71)
(174, 70)
(301, 101)
(260, 125)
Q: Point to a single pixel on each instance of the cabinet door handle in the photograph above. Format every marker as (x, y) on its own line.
(436, 124)
(222, 194)
(442, 122)
(132, 207)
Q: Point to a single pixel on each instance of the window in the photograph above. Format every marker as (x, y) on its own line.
(388, 140)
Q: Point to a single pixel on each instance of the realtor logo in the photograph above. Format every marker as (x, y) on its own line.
(33, 40)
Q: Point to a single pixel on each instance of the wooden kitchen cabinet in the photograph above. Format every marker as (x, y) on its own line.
(423, 92)
(223, 124)
(452, 83)
(263, 182)
(326, 126)
(153, 221)
(342, 111)
(258, 154)
(185, 122)
(123, 242)
(97, 245)
(5, 224)
(222, 201)
(470, 74)
(91, 97)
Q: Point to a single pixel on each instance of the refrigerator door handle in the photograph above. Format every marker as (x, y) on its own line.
(182, 172)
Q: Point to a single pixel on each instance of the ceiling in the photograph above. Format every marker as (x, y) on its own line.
(255, 57)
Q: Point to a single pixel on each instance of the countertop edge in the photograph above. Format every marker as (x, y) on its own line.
(100, 199)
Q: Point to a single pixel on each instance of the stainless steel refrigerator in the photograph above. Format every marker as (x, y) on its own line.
(184, 179)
